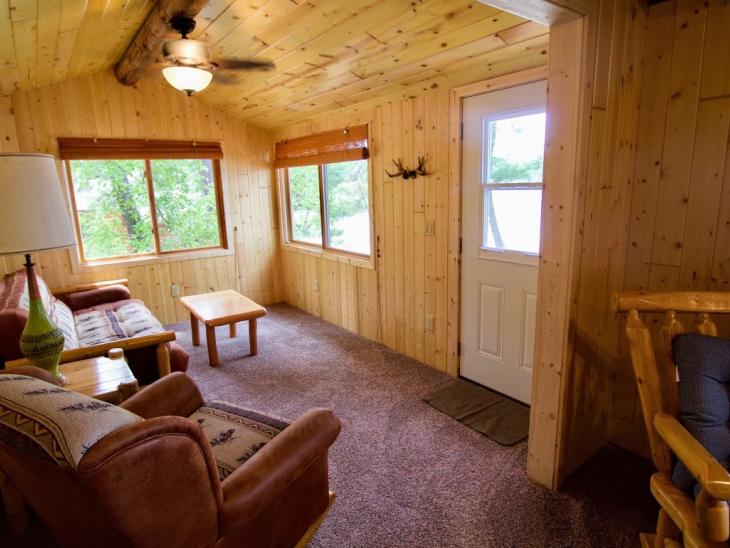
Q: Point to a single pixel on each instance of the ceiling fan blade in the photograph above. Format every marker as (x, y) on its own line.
(243, 64)
(225, 78)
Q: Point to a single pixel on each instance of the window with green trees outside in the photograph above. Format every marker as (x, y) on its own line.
(329, 206)
(127, 208)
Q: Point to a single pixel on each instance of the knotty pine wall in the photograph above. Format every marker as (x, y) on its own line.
(98, 106)
(679, 227)
(388, 304)
(656, 197)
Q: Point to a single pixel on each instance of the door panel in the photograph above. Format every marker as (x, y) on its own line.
(491, 316)
(502, 189)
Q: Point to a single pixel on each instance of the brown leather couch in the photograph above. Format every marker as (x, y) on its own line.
(155, 481)
(66, 305)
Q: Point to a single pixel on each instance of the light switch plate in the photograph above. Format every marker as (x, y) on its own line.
(175, 290)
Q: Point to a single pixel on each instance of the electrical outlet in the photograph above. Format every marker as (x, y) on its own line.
(175, 290)
(430, 228)
(429, 322)
(316, 284)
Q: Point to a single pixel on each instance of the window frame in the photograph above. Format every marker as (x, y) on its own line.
(325, 245)
(287, 235)
(157, 253)
(493, 253)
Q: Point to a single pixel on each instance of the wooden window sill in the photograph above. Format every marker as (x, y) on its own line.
(331, 255)
(79, 267)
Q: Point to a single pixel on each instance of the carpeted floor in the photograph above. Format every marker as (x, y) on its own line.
(406, 474)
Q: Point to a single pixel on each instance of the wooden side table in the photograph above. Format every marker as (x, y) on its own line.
(105, 378)
(222, 308)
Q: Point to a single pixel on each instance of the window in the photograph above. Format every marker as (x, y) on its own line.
(326, 184)
(514, 145)
(142, 206)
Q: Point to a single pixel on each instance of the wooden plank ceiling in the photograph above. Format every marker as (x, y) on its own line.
(329, 54)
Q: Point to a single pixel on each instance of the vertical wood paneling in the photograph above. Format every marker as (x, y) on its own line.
(390, 303)
(99, 106)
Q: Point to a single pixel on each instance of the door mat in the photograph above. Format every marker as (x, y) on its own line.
(499, 418)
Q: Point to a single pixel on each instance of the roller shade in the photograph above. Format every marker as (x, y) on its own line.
(83, 148)
(341, 145)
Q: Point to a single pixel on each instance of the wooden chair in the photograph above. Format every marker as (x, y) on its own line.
(703, 521)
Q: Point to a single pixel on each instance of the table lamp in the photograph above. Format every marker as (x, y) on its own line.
(34, 218)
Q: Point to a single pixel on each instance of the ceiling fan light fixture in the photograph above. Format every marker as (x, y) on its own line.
(187, 79)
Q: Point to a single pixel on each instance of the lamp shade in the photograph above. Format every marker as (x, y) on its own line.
(32, 206)
(187, 79)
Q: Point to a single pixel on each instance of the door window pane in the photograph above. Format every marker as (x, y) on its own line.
(185, 199)
(512, 219)
(514, 149)
(348, 215)
(113, 207)
(305, 205)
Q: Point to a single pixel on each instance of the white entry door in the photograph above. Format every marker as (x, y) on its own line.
(503, 145)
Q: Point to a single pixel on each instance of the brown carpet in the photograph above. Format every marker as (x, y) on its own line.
(406, 474)
(498, 417)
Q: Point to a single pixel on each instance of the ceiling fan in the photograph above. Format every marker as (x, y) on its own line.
(188, 66)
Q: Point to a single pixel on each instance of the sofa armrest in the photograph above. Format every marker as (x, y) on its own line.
(262, 478)
(79, 300)
(87, 287)
(97, 350)
(176, 394)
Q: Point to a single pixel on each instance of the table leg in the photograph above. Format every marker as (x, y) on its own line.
(195, 328)
(232, 330)
(252, 341)
(212, 348)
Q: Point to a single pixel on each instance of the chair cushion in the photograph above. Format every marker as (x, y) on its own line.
(704, 397)
(52, 423)
(114, 321)
(235, 433)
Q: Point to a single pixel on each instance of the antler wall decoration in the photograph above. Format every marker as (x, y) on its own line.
(409, 173)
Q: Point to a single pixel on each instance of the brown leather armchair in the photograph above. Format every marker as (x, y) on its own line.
(155, 480)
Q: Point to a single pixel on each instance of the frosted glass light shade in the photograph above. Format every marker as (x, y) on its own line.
(187, 79)
(32, 205)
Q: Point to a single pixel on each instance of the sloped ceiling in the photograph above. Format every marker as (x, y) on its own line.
(329, 54)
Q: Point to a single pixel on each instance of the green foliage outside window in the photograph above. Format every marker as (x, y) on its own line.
(112, 201)
(187, 214)
(305, 208)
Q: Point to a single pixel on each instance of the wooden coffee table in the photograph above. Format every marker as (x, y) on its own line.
(107, 379)
(222, 308)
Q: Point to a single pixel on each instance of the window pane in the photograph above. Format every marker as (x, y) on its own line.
(348, 214)
(113, 207)
(515, 149)
(512, 219)
(185, 198)
(305, 208)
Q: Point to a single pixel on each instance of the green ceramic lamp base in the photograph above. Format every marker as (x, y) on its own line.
(41, 341)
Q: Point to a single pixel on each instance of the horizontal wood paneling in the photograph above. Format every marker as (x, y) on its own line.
(98, 106)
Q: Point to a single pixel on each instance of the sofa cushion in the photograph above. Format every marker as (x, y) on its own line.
(114, 321)
(64, 320)
(235, 433)
(704, 397)
(52, 423)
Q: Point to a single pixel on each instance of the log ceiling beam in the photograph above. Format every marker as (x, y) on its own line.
(547, 12)
(147, 44)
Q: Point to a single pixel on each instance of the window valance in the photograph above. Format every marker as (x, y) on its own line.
(340, 145)
(89, 148)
